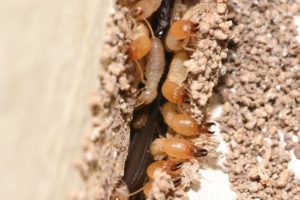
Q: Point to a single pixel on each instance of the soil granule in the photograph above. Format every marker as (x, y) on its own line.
(261, 99)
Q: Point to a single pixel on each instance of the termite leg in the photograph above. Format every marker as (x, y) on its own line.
(177, 181)
(180, 108)
(139, 101)
(140, 69)
(185, 44)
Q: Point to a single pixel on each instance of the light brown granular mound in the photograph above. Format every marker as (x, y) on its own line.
(105, 149)
(205, 66)
(262, 100)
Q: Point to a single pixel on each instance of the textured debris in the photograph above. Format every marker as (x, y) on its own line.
(261, 99)
(106, 145)
(205, 66)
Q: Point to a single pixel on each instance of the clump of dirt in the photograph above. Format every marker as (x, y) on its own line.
(105, 149)
(262, 100)
(206, 63)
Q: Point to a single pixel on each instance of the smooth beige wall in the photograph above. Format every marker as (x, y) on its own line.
(49, 58)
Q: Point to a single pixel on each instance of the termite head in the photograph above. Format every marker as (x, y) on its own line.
(145, 8)
(139, 47)
(156, 147)
(169, 166)
(181, 123)
(137, 12)
(145, 97)
(182, 29)
(173, 92)
(141, 11)
(147, 188)
(185, 125)
(140, 42)
(177, 148)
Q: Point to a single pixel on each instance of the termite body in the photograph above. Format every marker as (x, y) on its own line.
(173, 88)
(140, 45)
(179, 34)
(183, 123)
(177, 148)
(153, 71)
(140, 42)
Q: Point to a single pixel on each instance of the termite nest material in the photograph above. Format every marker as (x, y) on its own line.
(160, 64)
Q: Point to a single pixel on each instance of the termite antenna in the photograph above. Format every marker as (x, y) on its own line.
(181, 109)
(136, 192)
(121, 192)
(150, 28)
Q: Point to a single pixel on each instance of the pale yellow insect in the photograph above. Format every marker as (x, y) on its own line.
(179, 34)
(173, 88)
(153, 71)
(145, 8)
(177, 148)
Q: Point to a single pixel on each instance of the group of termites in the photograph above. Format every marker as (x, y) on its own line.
(148, 53)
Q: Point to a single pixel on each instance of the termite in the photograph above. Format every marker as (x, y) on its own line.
(153, 71)
(178, 9)
(140, 45)
(141, 42)
(169, 166)
(145, 8)
(182, 123)
(147, 188)
(173, 87)
(176, 148)
(179, 34)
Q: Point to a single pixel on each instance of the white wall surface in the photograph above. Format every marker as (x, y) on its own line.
(49, 58)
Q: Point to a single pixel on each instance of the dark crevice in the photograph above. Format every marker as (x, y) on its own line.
(139, 156)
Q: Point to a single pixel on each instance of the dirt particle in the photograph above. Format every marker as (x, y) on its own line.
(297, 151)
(283, 178)
(261, 100)
(253, 174)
